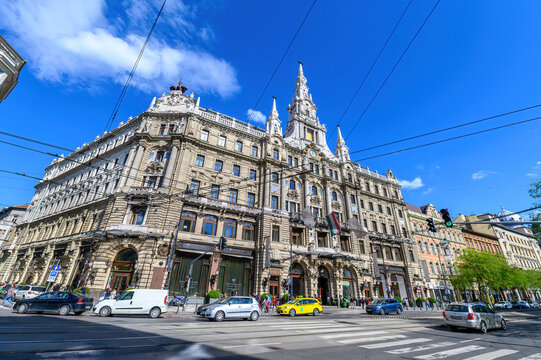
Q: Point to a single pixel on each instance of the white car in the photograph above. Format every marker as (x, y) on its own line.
(503, 305)
(28, 292)
(136, 301)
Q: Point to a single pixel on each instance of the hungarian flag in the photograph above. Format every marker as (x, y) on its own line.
(333, 223)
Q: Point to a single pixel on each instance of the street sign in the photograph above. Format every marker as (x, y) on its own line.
(54, 273)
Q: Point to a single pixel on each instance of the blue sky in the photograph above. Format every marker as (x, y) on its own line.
(471, 60)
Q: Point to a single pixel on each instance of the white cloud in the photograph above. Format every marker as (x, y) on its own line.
(79, 42)
(256, 116)
(481, 174)
(411, 185)
(531, 175)
(428, 191)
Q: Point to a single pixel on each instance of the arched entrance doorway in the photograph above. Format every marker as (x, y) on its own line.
(297, 275)
(323, 285)
(123, 268)
(347, 284)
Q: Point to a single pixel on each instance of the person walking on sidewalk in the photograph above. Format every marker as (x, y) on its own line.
(9, 295)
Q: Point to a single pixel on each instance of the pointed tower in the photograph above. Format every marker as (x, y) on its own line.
(341, 151)
(274, 125)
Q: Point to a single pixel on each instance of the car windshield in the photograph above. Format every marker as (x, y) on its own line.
(457, 308)
(377, 301)
(222, 301)
(291, 302)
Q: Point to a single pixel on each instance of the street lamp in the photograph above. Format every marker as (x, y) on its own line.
(444, 245)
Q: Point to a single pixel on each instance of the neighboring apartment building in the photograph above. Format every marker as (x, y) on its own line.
(11, 63)
(9, 219)
(116, 225)
(438, 251)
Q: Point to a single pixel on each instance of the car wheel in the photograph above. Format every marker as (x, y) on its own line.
(398, 311)
(78, 312)
(22, 309)
(219, 316)
(292, 312)
(316, 312)
(254, 316)
(484, 328)
(64, 310)
(453, 328)
(503, 325)
(105, 311)
(382, 311)
(155, 312)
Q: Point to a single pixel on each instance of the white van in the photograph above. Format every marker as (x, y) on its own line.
(136, 301)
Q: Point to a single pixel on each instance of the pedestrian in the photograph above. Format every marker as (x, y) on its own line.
(107, 293)
(405, 303)
(428, 304)
(440, 303)
(113, 294)
(9, 295)
(83, 290)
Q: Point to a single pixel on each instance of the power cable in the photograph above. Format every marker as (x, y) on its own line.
(393, 69)
(282, 59)
(132, 72)
(450, 139)
(446, 129)
(371, 67)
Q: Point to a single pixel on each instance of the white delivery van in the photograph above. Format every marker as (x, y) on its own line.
(136, 301)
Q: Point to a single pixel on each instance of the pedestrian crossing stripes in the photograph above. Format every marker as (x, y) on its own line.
(408, 350)
(365, 339)
(394, 343)
(452, 352)
(493, 354)
(353, 334)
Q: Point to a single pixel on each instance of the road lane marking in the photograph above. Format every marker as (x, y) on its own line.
(235, 346)
(419, 348)
(361, 340)
(452, 352)
(356, 333)
(334, 330)
(532, 357)
(394, 343)
(493, 354)
(298, 327)
(470, 340)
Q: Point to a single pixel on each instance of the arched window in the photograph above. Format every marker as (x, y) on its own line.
(292, 184)
(314, 190)
(188, 221)
(230, 228)
(127, 255)
(209, 225)
(347, 274)
(248, 230)
(432, 268)
(334, 196)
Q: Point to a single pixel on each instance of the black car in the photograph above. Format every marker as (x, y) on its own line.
(60, 302)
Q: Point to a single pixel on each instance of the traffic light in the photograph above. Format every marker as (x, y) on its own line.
(222, 243)
(186, 282)
(446, 217)
(431, 225)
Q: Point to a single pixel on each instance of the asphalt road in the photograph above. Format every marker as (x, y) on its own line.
(337, 335)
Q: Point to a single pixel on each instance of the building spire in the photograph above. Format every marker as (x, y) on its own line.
(301, 90)
(342, 151)
(274, 125)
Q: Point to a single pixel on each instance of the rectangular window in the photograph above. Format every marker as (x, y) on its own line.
(209, 225)
(194, 187)
(162, 129)
(388, 210)
(222, 141)
(275, 178)
(374, 226)
(137, 215)
(352, 197)
(296, 236)
(254, 150)
(361, 246)
(218, 165)
(393, 230)
(371, 206)
(384, 228)
(321, 239)
(362, 204)
(200, 160)
(365, 223)
(274, 202)
(230, 228)
(290, 160)
(388, 254)
(152, 181)
(344, 243)
(253, 174)
(204, 135)
(296, 162)
(236, 170)
(380, 209)
(215, 192)
(160, 156)
(275, 154)
(309, 134)
(275, 233)
(233, 195)
(171, 128)
(238, 146)
(376, 190)
(251, 199)
(400, 213)
(248, 231)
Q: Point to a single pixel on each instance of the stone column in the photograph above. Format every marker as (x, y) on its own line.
(327, 198)
(306, 193)
(134, 168)
(126, 169)
(348, 205)
(283, 190)
(170, 166)
(267, 181)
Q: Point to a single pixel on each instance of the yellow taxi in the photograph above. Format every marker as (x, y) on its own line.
(300, 306)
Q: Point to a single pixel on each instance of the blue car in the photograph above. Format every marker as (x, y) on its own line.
(384, 306)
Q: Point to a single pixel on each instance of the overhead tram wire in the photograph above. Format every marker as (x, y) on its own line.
(451, 138)
(371, 67)
(446, 129)
(282, 59)
(393, 69)
(132, 72)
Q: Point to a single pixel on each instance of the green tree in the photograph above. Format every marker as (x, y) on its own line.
(535, 193)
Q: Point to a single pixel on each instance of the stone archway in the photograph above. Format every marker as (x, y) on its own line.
(123, 269)
(348, 290)
(324, 285)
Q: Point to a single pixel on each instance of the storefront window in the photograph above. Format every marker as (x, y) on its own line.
(234, 278)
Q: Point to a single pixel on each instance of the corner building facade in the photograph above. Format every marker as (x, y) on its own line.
(249, 185)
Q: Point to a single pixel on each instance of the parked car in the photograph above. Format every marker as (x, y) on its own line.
(521, 305)
(534, 304)
(235, 307)
(60, 302)
(384, 306)
(150, 302)
(28, 292)
(300, 306)
(473, 316)
(503, 305)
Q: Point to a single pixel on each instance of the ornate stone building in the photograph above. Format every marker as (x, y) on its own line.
(9, 219)
(438, 251)
(245, 183)
(11, 63)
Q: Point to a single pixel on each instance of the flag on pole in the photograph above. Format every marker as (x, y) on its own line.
(333, 223)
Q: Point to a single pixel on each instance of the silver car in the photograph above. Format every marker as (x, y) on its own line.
(28, 292)
(503, 305)
(235, 307)
(473, 316)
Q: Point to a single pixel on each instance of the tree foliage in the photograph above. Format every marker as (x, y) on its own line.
(535, 193)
